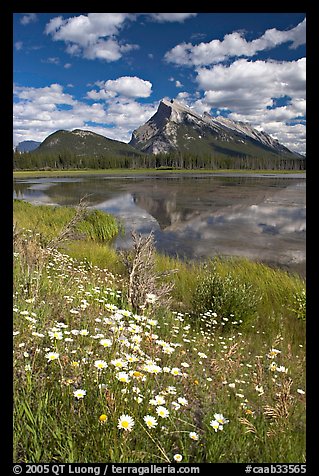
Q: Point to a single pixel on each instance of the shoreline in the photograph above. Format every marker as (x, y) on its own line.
(164, 172)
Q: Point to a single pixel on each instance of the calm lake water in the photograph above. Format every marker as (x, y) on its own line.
(262, 217)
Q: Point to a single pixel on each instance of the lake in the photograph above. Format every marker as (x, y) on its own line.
(194, 216)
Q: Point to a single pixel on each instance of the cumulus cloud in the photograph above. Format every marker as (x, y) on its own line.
(249, 85)
(234, 45)
(91, 35)
(38, 112)
(248, 90)
(129, 86)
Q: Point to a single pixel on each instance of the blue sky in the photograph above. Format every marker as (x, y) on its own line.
(107, 72)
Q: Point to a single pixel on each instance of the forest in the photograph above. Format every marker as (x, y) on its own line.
(174, 160)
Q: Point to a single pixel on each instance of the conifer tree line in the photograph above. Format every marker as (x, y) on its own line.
(171, 160)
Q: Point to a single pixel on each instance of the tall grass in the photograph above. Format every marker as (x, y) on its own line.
(49, 221)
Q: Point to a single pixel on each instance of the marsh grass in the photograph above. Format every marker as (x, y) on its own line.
(73, 222)
(254, 375)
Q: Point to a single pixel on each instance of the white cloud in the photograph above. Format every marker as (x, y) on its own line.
(18, 45)
(67, 65)
(249, 89)
(171, 17)
(38, 112)
(249, 85)
(28, 18)
(130, 86)
(128, 113)
(178, 84)
(52, 60)
(234, 45)
(91, 35)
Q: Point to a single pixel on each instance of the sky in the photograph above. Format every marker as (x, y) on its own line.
(107, 72)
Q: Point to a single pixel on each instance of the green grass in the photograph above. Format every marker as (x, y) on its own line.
(67, 302)
(75, 172)
(49, 222)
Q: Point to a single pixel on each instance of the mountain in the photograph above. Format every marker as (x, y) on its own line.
(27, 146)
(175, 127)
(84, 143)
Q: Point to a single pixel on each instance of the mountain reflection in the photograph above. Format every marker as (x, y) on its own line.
(261, 218)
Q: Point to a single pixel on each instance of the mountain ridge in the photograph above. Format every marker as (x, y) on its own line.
(83, 143)
(174, 126)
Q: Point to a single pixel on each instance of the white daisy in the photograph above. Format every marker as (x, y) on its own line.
(125, 422)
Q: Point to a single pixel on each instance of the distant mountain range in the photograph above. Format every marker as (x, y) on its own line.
(173, 128)
(27, 146)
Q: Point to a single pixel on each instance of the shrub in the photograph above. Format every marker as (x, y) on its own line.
(226, 296)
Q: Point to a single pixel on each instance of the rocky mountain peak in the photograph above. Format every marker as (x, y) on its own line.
(178, 127)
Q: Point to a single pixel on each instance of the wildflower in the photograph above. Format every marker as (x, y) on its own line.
(282, 369)
(231, 385)
(84, 332)
(171, 390)
(119, 363)
(202, 355)
(175, 371)
(103, 418)
(220, 418)
(150, 421)
(300, 391)
(137, 374)
(152, 368)
(125, 422)
(193, 435)
(152, 322)
(273, 353)
(79, 393)
(100, 364)
(123, 377)
(106, 342)
(52, 356)
(214, 424)
(55, 335)
(27, 368)
(178, 457)
(184, 364)
(160, 400)
(162, 411)
(273, 367)
(176, 405)
(182, 401)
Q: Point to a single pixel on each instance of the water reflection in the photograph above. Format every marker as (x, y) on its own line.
(195, 217)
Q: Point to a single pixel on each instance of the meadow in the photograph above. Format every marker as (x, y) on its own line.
(141, 358)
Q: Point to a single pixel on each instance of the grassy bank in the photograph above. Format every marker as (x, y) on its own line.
(79, 172)
(98, 381)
